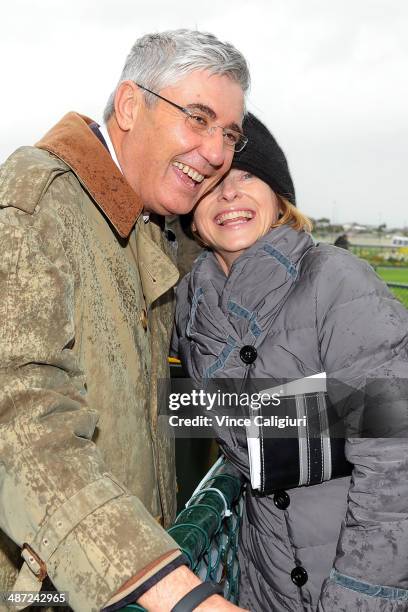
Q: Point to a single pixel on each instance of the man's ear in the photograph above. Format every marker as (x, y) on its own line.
(128, 99)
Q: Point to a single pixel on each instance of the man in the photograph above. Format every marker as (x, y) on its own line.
(342, 242)
(87, 474)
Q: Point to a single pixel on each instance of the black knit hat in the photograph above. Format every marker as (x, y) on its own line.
(264, 158)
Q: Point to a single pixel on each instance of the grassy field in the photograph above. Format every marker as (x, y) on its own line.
(393, 275)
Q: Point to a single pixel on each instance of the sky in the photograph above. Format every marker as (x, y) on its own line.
(329, 78)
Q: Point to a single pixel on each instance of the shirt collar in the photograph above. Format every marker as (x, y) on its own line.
(105, 133)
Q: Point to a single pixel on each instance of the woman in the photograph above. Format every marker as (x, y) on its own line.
(265, 302)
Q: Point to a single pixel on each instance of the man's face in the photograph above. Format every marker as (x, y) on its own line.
(160, 148)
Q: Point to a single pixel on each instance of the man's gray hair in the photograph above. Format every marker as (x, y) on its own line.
(160, 60)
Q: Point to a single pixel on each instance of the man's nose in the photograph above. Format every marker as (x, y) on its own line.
(214, 150)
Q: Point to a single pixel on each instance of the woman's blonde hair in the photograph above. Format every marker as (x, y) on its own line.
(290, 215)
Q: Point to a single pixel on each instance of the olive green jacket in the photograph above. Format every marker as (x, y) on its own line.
(87, 470)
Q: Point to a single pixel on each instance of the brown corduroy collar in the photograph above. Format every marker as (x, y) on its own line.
(72, 141)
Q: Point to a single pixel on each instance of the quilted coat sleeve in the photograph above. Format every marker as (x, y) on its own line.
(363, 338)
(56, 494)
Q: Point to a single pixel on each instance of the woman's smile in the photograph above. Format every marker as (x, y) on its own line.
(229, 218)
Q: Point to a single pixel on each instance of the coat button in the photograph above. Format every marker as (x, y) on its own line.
(281, 500)
(299, 575)
(143, 319)
(248, 354)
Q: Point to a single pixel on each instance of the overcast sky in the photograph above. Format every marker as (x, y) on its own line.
(329, 78)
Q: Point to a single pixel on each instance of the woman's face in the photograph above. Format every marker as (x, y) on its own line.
(235, 214)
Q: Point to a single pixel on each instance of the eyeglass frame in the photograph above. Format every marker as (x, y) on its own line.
(190, 114)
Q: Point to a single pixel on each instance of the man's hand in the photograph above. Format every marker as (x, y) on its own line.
(164, 595)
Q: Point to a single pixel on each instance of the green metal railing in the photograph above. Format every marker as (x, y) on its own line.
(207, 529)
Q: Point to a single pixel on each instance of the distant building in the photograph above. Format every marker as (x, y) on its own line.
(400, 241)
(356, 228)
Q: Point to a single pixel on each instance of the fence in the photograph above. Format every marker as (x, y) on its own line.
(207, 529)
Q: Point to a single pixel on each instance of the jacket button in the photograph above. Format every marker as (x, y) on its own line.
(248, 354)
(143, 319)
(281, 500)
(299, 575)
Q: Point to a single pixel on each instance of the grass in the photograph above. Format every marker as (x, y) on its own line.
(393, 275)
(396, 275)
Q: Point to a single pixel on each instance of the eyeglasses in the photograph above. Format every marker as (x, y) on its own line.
(199, 122)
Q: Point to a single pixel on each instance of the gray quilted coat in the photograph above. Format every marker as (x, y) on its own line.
(341, 545)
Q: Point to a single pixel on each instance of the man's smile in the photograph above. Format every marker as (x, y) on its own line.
(189, 171)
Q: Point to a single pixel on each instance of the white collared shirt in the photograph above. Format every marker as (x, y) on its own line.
(104, 131)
